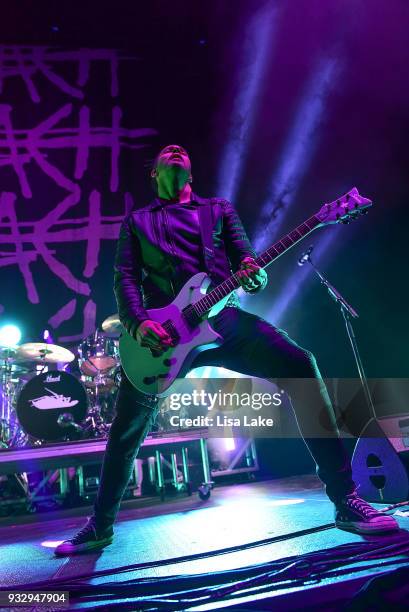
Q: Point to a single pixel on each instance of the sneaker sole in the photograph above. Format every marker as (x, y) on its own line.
(365, 528)
(90, 546)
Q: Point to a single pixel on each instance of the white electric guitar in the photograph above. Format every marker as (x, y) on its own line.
(185, 319)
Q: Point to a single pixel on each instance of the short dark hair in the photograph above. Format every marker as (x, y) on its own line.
(153, 166)
(156, 158)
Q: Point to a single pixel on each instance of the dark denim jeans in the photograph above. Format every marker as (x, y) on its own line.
(253, 347)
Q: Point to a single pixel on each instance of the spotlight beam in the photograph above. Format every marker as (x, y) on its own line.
(299, 278)
(298, 152)
(255, 56)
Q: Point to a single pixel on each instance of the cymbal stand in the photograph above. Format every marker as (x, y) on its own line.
(6, 401)
(94, 419)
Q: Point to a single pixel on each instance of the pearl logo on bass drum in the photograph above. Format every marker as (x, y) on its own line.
(52, 379)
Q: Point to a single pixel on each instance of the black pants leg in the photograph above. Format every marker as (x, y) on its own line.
(254, 347)
(133, 420)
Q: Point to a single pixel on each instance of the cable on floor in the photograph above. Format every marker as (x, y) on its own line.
(180, 592)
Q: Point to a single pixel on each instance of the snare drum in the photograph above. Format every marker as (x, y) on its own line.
(98, 354)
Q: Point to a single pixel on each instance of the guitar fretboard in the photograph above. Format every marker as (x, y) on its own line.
(281, 246)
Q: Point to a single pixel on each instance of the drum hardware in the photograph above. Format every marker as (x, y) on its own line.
(98, 363)
(102, 384)
(100, 392)
(95, 424)
(11, 434)
(7, 353)
(67, 420)
(15, 435)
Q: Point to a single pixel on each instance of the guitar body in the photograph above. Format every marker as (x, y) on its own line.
(155, 375)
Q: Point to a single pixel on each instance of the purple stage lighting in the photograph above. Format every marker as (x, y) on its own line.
(298, 152)
(255, 56)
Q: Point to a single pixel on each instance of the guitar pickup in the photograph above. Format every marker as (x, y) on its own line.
(191, 317)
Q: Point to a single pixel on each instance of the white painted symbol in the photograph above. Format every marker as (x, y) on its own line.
(55, 400)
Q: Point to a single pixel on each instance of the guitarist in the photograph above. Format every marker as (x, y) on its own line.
(159, 249)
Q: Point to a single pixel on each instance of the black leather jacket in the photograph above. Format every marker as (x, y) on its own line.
(149, 272)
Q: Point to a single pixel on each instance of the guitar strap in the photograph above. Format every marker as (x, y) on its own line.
(206, 231)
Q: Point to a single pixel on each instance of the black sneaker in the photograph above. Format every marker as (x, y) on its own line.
(354, 514)
(88, 538)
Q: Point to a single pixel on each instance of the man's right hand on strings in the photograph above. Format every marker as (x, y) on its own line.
(152, 335)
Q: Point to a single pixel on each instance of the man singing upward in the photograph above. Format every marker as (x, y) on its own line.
(159, 249)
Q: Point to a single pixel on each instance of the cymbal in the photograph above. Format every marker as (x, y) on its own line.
(43, 352)
(112, 324)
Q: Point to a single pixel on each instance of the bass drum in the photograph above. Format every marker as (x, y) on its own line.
(51, 406)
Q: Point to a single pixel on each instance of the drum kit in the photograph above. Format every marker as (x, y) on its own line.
(49, 393)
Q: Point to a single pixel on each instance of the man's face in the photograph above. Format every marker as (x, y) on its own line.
(173, 158)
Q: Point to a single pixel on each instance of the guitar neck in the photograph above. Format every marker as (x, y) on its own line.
(205, 304)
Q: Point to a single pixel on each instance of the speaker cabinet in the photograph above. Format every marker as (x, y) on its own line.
(380, 462)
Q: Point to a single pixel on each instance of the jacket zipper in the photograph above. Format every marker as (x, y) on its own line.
(170, 242)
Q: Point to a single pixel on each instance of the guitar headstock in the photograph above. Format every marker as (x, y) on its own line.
(344, 209)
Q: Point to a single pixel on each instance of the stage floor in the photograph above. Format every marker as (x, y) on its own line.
(235, 514)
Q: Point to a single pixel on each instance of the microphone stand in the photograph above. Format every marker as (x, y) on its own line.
(347, 312)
